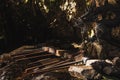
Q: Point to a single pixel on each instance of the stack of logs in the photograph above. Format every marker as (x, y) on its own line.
(33, 63)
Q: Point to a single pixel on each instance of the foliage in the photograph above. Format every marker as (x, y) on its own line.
(32, 20)
(109, 78)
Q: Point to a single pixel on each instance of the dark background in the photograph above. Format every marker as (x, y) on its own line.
(20, 26)
(27, 23)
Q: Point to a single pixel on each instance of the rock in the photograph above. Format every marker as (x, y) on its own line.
(92, 69)
(84, 72)
(107, 70)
